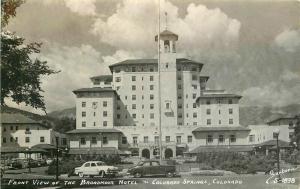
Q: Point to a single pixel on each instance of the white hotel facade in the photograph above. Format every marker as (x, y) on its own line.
(120, 112)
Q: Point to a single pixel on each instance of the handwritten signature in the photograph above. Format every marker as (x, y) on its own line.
(281, 172)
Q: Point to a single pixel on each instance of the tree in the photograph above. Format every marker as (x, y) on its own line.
(296, 137)
(20, 73)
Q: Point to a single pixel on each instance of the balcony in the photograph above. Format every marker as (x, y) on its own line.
(151, 144)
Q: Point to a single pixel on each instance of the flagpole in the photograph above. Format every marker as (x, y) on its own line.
(159, 91)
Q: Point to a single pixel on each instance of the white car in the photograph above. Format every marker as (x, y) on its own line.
(95, 168)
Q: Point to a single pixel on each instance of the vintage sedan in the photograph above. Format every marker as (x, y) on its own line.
(152, 168)
(96, 168)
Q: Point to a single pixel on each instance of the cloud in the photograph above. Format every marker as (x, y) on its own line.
(82, 7)
(134, 24)
(289, 40)
(76, 64)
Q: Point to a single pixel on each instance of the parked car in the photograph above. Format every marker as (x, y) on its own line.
(96, 168)
(151, 168)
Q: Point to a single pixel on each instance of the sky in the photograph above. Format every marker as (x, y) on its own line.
(251, 48)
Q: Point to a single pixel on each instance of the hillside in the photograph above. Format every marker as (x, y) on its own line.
(249, 115)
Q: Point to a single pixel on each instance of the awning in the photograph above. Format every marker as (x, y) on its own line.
(272, 143)
(45, 146)
(86, 131)
(21, 150)
(225, 148)
(103, 150)
(215, 129)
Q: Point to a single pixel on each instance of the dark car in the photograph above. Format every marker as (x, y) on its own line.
(152, 168)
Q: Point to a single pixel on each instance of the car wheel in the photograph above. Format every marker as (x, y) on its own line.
(80, 174)
(137, 175)
(102, 174)
(169, 175)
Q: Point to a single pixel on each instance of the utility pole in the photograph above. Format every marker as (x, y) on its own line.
(159, 91)
(57, 150)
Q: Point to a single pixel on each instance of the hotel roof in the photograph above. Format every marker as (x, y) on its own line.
(94, 89)
(214, 129)
(151, 61)
(17, 118)
(103, 77)
(219, 96)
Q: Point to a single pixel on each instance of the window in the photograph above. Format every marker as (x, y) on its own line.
(187, 115)
(178, 139)
(167, 105)
(104, 123)
(194, 123)
(118, 79)
(133, 97)
(179, 86)
(209, 139)
(27, 139)
(151, 87)
(11, 128)
(151, 78)
(208, 102)
(83, 114)
(17, 128)
(133, 106)
(105, 141)
(118, 107)
(151, 69)
(151, 97)
(168, 138)
(133, 87)
(133, 78)
(16, 139)
(208, 121)
(194, 115)
(194, 105)
(83, 104)
(251, 138)
(231, 121)
(64, 141)
(156, 139)
(94, 140)
(83, 124)
(151, 106)
(167, 65)
(186, 96)
(4, 129)
(221, 138)
(118, 116)
(94, 123)
(230, 111)
(82, 140)
(133, 69)
(87, 165)
(4, 139)
(134, 116)
(124, 140)
(135, 140)
(179, 106)
(93, 164)
(194, 86)
(104, 113)
(146, 139)
(208, 112)
(219, 112)
(42, 139)
(94, 114)
(180, 115)
(11, 139)
(190, 139)
(194, 96)
(152, 116)
(179, 97)
(179, 77)
(104, 103)
(194, 77)
(232, 138)
(230, 101)
(220, 122)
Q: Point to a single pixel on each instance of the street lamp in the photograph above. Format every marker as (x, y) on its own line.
(28, 159)
(276, 134)
(57, 151)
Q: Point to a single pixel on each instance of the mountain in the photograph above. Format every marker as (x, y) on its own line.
(69, 112)
(249, 115)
